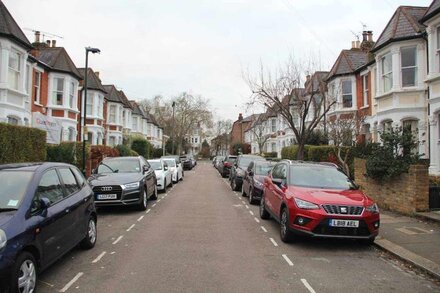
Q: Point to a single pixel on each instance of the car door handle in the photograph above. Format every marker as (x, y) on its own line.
(67, 211)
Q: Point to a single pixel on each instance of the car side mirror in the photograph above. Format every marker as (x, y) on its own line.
(278, 182)
(44, 205)
(251, 173)
(144, 169)
(165, 168)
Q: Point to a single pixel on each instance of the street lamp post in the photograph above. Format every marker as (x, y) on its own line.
(172, 130)
(84, 106)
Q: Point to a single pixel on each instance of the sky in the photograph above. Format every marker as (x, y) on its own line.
(203, 47)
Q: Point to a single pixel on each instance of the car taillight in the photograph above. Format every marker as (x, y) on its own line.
(227, 164)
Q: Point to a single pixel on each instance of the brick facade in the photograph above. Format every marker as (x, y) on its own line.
(407, 194)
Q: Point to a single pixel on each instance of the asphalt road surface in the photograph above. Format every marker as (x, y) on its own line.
(202, 237)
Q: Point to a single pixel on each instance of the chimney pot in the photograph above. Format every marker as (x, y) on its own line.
(353, 44)
(240, 117)
(364, 36)
(370, 36)
(358, 44)
(48, 42)
(54, 43)
(37, 36)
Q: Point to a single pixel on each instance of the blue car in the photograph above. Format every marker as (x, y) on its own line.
(46, 209)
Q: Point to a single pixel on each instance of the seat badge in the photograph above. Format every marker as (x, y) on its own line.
(343, 210)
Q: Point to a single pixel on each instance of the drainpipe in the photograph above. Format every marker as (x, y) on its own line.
(429, 97)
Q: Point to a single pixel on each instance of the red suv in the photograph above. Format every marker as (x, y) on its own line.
(319, 200)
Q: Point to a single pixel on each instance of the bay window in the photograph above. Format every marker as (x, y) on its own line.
(409, 66)
(112, 114)
(135, 123)
(58, 91)
(347, 96)
(274, 125)
(365, 89)
(387, 72)
(100, 103)
(89, 109)
(387, 126)
(14, 69)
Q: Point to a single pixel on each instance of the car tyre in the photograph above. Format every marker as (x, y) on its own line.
(367, 242)
(92, 234)
(285, 234)
(154, 196)
(264, 214)
(164, 186)
(242, 190)
(25, 269)
(144, 201)
(251, 196)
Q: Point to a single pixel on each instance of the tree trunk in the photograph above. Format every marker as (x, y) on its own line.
(300, 154)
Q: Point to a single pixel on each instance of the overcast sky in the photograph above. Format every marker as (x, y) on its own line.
(165, 47)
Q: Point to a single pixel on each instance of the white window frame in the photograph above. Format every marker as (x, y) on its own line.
(14, 73)
(365, 89)
(13, 120)
(388, 74)
(438, 47)
(387, 126)
(36, 87)
(409, 67)
(112, 116)
(273, 125)
(89, 106)
(56, 91)
(346, 94)
(135, 123)
(100, 106)
(72, 95)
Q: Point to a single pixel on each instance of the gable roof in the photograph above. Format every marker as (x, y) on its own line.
(9, 28)
(347, 63)
(136, 108)
(432, 10)
(58, 60)
(112, 94)
(124, 100)
(403, 25)
(316, 79)
(93, 82)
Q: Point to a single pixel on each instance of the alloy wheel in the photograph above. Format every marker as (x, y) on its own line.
(145, 198)
(92, 231)
(251, 198)
(283, 223)
(27, 277)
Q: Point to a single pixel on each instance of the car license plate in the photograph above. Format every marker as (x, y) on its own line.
(344, 223)
(107, 196)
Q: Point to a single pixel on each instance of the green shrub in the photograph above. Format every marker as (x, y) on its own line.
(21, 144)
(67, 152)
(142, 147)
(291, 152)
(157, 152)
(125, 151)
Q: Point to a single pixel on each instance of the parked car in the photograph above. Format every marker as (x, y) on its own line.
(163, 174)
(253, 180)
(179, 164)
(123, 181)
(46, 209)
(186, 161)
(238, 169)
(318, 200)
(226, 165)
(175, 171)
(217, 160)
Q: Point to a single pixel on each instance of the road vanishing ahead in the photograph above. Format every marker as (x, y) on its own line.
(202, 237)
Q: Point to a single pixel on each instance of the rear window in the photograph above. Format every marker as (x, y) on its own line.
(13, 187)
(156, 165)
(320, 177)
(263, 169)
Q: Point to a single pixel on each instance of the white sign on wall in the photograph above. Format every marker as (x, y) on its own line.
(48, 124)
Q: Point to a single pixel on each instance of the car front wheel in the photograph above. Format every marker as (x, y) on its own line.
(144, 199)
(285, 234)
(154, 196)
(89, 241)
(243, 193)
(24, 278)
(251, 196)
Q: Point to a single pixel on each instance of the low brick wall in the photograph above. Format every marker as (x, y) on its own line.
(407, 194)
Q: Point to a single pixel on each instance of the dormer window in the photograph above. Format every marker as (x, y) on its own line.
(409, 66)
(347, 95)
(387, 72)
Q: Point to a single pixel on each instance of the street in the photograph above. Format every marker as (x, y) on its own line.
(202, 237)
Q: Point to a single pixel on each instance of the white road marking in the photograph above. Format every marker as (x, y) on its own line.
(113, 252)
(99, 257)
(148, 211)
(140, 218)
(45, 283)
(273, 242)
(251, 212)
(68, 285)
(304, 281)
(288, 260)
(162, 197)
(247, 206)
(118, 239)
(159, 200)
(264, 229)
(153, 205)
(243, 202)
(131, 227)
(256, 220)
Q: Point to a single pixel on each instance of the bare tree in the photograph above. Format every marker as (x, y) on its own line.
(343, 132)
(281, 92)
(258, 129)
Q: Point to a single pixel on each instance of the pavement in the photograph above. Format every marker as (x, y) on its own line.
(415, 240)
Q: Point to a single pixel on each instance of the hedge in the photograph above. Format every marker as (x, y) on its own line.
(21, 144)
(157, 152)
(67, 152)
(125, 151)
(142, 147)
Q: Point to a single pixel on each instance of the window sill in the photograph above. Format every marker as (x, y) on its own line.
(365, 107)
(38, 104)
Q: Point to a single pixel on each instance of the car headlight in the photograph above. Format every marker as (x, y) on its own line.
(258, 184)
(129, 186)
(305, 205)
(3, 239)
(373, 209)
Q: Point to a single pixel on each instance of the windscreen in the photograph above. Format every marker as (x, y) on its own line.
(13, 188)
(263, 169)
(245, 161)
(171, 162)
(119, 166)
(231, 159)
(320, 177)
(156, 165)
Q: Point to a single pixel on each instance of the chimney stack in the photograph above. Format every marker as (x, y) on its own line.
(240, 117)
(48, 43)
(370, 36)
(37, 36)
(364, 36)
(54, 43)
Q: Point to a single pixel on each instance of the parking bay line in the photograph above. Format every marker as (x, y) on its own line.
(307, 285)
(251, 212)
(140, 218)
(148, 211)
(131, 227)
(243, 202)
(288, 260)
(256, 220)
(99, 257)
(264, 229)
(273, 242)
(246, 206)
(68, 285)
(117, 240)
(153, 205)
